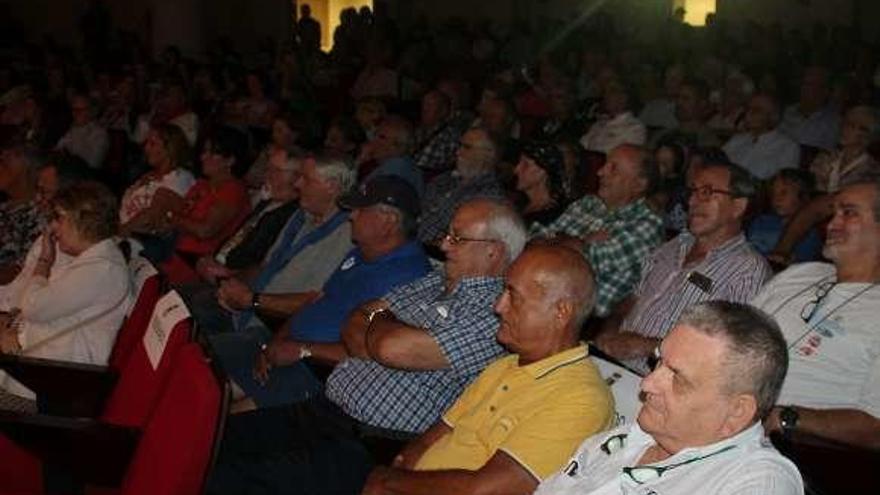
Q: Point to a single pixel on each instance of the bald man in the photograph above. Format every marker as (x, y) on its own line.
(517, 422)
(615, 230)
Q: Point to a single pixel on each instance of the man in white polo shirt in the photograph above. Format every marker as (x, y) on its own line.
(699, 430)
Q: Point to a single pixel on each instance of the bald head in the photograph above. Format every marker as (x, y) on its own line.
(565, 275)
(548, 294)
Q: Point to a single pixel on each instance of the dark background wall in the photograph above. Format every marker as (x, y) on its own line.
(191, 24)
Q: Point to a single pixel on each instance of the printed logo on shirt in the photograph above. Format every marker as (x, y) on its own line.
(347, 264)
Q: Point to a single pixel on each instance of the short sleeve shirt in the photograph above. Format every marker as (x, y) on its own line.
(834, 357)
(536, 414)
(463, 324)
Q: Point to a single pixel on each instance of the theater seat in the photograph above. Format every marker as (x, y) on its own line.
(148, 369)
(148, 287)
(171, 455)
(180, 441)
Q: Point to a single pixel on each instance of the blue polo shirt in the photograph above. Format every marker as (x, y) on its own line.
(355, 282)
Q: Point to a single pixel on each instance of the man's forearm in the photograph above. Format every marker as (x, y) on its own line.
(403, 482)
(848, 426)
(816, 211)
(285, 304)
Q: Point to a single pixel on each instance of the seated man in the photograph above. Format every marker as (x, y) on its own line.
(699, 430)
(711, 261)
(473, 177)
(389, 152)
(438, 133)
(249, 245)
(515, 425)
(307, 251)
(763, 149)
(383, 213)
(615, 230)
(422, 343)
(828, 314)
(413, 352)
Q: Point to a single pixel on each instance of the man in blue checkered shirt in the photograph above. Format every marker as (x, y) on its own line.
(615, 229)
(412, 353)
(415, 350)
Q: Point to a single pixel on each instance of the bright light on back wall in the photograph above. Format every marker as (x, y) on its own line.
(695, 11)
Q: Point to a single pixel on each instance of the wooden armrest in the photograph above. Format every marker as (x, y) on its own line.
(62, 388)
(98, 452)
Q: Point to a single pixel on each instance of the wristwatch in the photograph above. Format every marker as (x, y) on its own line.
(304, 352)
(788, 419)
(255, 300)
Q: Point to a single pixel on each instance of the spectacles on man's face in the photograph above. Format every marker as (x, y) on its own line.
(809, 309)
(705, 193)
(454, 239)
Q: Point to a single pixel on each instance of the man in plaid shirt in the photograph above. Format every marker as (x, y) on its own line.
(411, 354)
(615, 229)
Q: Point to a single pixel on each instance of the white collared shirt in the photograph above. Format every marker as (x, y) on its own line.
(748, 465)
(765, 155)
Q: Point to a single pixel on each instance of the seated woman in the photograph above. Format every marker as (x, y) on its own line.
(145, 204)
(70, 298)
(539, 177)
(213, 208)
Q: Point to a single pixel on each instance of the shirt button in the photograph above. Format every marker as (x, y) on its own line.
(491, 408)
(504, 388)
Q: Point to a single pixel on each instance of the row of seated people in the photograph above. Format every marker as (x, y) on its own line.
(622, 187)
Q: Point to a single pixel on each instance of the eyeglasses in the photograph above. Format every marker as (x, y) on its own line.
(644, 474)
(809, 309)
(455, 240)
(704, 193)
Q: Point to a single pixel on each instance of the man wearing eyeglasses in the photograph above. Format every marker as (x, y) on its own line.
(712, 260)
(828, 313)
(699, 430)
(406, 357)
(519, 420)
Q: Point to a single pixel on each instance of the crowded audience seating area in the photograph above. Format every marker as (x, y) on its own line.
(434, 259)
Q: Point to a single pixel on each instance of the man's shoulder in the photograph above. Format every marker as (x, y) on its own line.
(807, 273)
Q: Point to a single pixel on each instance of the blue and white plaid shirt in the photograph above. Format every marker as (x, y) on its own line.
(463, 323)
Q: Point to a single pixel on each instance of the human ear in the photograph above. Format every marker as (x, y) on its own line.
(741, 411)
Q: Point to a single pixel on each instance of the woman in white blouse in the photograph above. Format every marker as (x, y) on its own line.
(70, 298)
(147, 201)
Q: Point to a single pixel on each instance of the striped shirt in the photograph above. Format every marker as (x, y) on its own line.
(733, 271)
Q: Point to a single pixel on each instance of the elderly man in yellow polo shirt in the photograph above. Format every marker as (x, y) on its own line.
(519, 420)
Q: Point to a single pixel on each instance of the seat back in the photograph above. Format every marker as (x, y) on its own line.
(149, 366)
(148, 286)
(175, 451)
(20, 470)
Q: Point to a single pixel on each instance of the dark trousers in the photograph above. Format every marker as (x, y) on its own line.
(307, 448)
